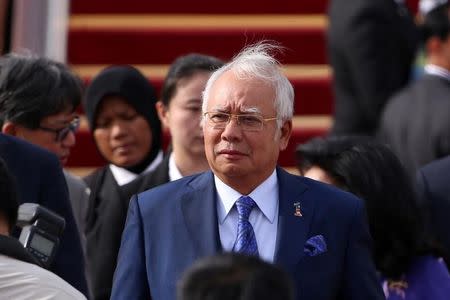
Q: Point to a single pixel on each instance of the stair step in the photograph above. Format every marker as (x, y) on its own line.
(159, 71)
(162, 46)
(198, 6)
(196, 21)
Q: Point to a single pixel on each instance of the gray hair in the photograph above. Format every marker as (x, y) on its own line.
(257, 61)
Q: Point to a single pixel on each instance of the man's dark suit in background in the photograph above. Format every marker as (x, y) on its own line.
(434, 190)
(40, 179)
(371, 46)
(416, 122)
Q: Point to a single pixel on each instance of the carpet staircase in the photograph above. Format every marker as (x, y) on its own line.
(151, 34)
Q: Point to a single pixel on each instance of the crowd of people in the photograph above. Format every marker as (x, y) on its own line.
(213, 216)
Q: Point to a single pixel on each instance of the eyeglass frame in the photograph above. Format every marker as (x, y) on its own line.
(237, 117)
(61, 134)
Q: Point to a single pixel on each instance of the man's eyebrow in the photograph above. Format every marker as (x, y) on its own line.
(245, 110)
(251, 110)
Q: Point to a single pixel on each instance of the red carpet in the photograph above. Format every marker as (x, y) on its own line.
(200, 6)
(162, 46)
(205, 6)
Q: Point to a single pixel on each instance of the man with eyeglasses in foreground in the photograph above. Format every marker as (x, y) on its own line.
(38, 98)
(247, 204)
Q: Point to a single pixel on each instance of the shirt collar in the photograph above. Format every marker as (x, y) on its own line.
(123, 176)
(174, 172)
(437, 71)
(265, 196)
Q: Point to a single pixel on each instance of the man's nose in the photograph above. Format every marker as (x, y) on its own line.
(232, 130)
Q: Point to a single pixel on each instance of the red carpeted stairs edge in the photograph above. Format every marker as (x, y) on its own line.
(205, 6)
(149, 33)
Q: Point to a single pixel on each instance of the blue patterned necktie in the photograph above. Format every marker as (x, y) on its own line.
(246, 240)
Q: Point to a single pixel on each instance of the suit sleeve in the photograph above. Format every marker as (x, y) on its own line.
(69, 260)
(130, 277)
(435, 205)
(361, 280)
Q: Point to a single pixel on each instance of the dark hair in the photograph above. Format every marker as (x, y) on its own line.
(32, 88)
(436, 23)
(234, 276)
(184, 67)
(371, 171)
(9, 203)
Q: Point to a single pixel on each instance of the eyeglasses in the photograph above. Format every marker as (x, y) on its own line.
(61, 134)
(248, 122)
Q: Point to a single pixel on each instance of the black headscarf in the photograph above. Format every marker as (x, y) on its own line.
(128, 83)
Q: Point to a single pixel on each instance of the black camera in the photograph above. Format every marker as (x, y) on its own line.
(41, 230)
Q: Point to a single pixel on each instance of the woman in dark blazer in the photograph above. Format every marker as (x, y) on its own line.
(120, 108)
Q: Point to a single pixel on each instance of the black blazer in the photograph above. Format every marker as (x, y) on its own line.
(434, 189)
(107, 211)
(157, 177)
(40, 180)
(105, 221)
(416, 122)
(371, 48)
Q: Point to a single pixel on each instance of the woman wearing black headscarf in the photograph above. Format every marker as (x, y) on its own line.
(120, 108)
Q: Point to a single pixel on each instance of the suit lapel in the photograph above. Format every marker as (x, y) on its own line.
(199, 210)
(292, 229)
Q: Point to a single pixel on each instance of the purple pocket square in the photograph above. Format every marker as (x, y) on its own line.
(315, 245)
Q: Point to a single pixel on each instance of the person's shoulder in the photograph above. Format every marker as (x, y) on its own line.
(26, 150)
(327, 194)
(40, 282)
(431, 268)
(179, 186)
(74, 180)
(437, 167)
(92, 177)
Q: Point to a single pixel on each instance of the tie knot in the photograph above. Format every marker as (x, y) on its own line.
(244, 206)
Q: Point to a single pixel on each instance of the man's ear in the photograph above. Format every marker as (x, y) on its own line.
(161, 109)
(433, 45)
(9, 128)
(285, 134)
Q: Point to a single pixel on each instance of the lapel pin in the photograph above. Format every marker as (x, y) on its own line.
(298, 212)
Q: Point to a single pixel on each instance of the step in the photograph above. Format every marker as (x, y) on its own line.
(198, 6)
(205, 6)
(85, 154)
(312, 84)
(196, 21)
(156, 39)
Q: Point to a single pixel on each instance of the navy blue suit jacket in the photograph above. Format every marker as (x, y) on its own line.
(172, 225)
(434, 190)
(40, 179)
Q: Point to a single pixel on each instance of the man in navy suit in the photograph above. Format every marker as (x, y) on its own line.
(40, 179)
(247, 204)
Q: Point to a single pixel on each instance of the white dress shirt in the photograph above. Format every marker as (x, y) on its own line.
(264, 217)
(174, 172)
(437, 71)
(123, 176)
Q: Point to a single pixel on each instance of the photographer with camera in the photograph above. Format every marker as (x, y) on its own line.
(20, 273)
